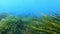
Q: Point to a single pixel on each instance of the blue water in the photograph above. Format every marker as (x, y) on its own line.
(29, 7)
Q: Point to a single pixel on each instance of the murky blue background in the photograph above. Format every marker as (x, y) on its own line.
(29, 7)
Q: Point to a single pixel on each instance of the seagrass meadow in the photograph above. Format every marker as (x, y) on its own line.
(29, 16)
(45, 24)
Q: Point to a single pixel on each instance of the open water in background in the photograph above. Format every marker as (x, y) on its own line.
(30, 7)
